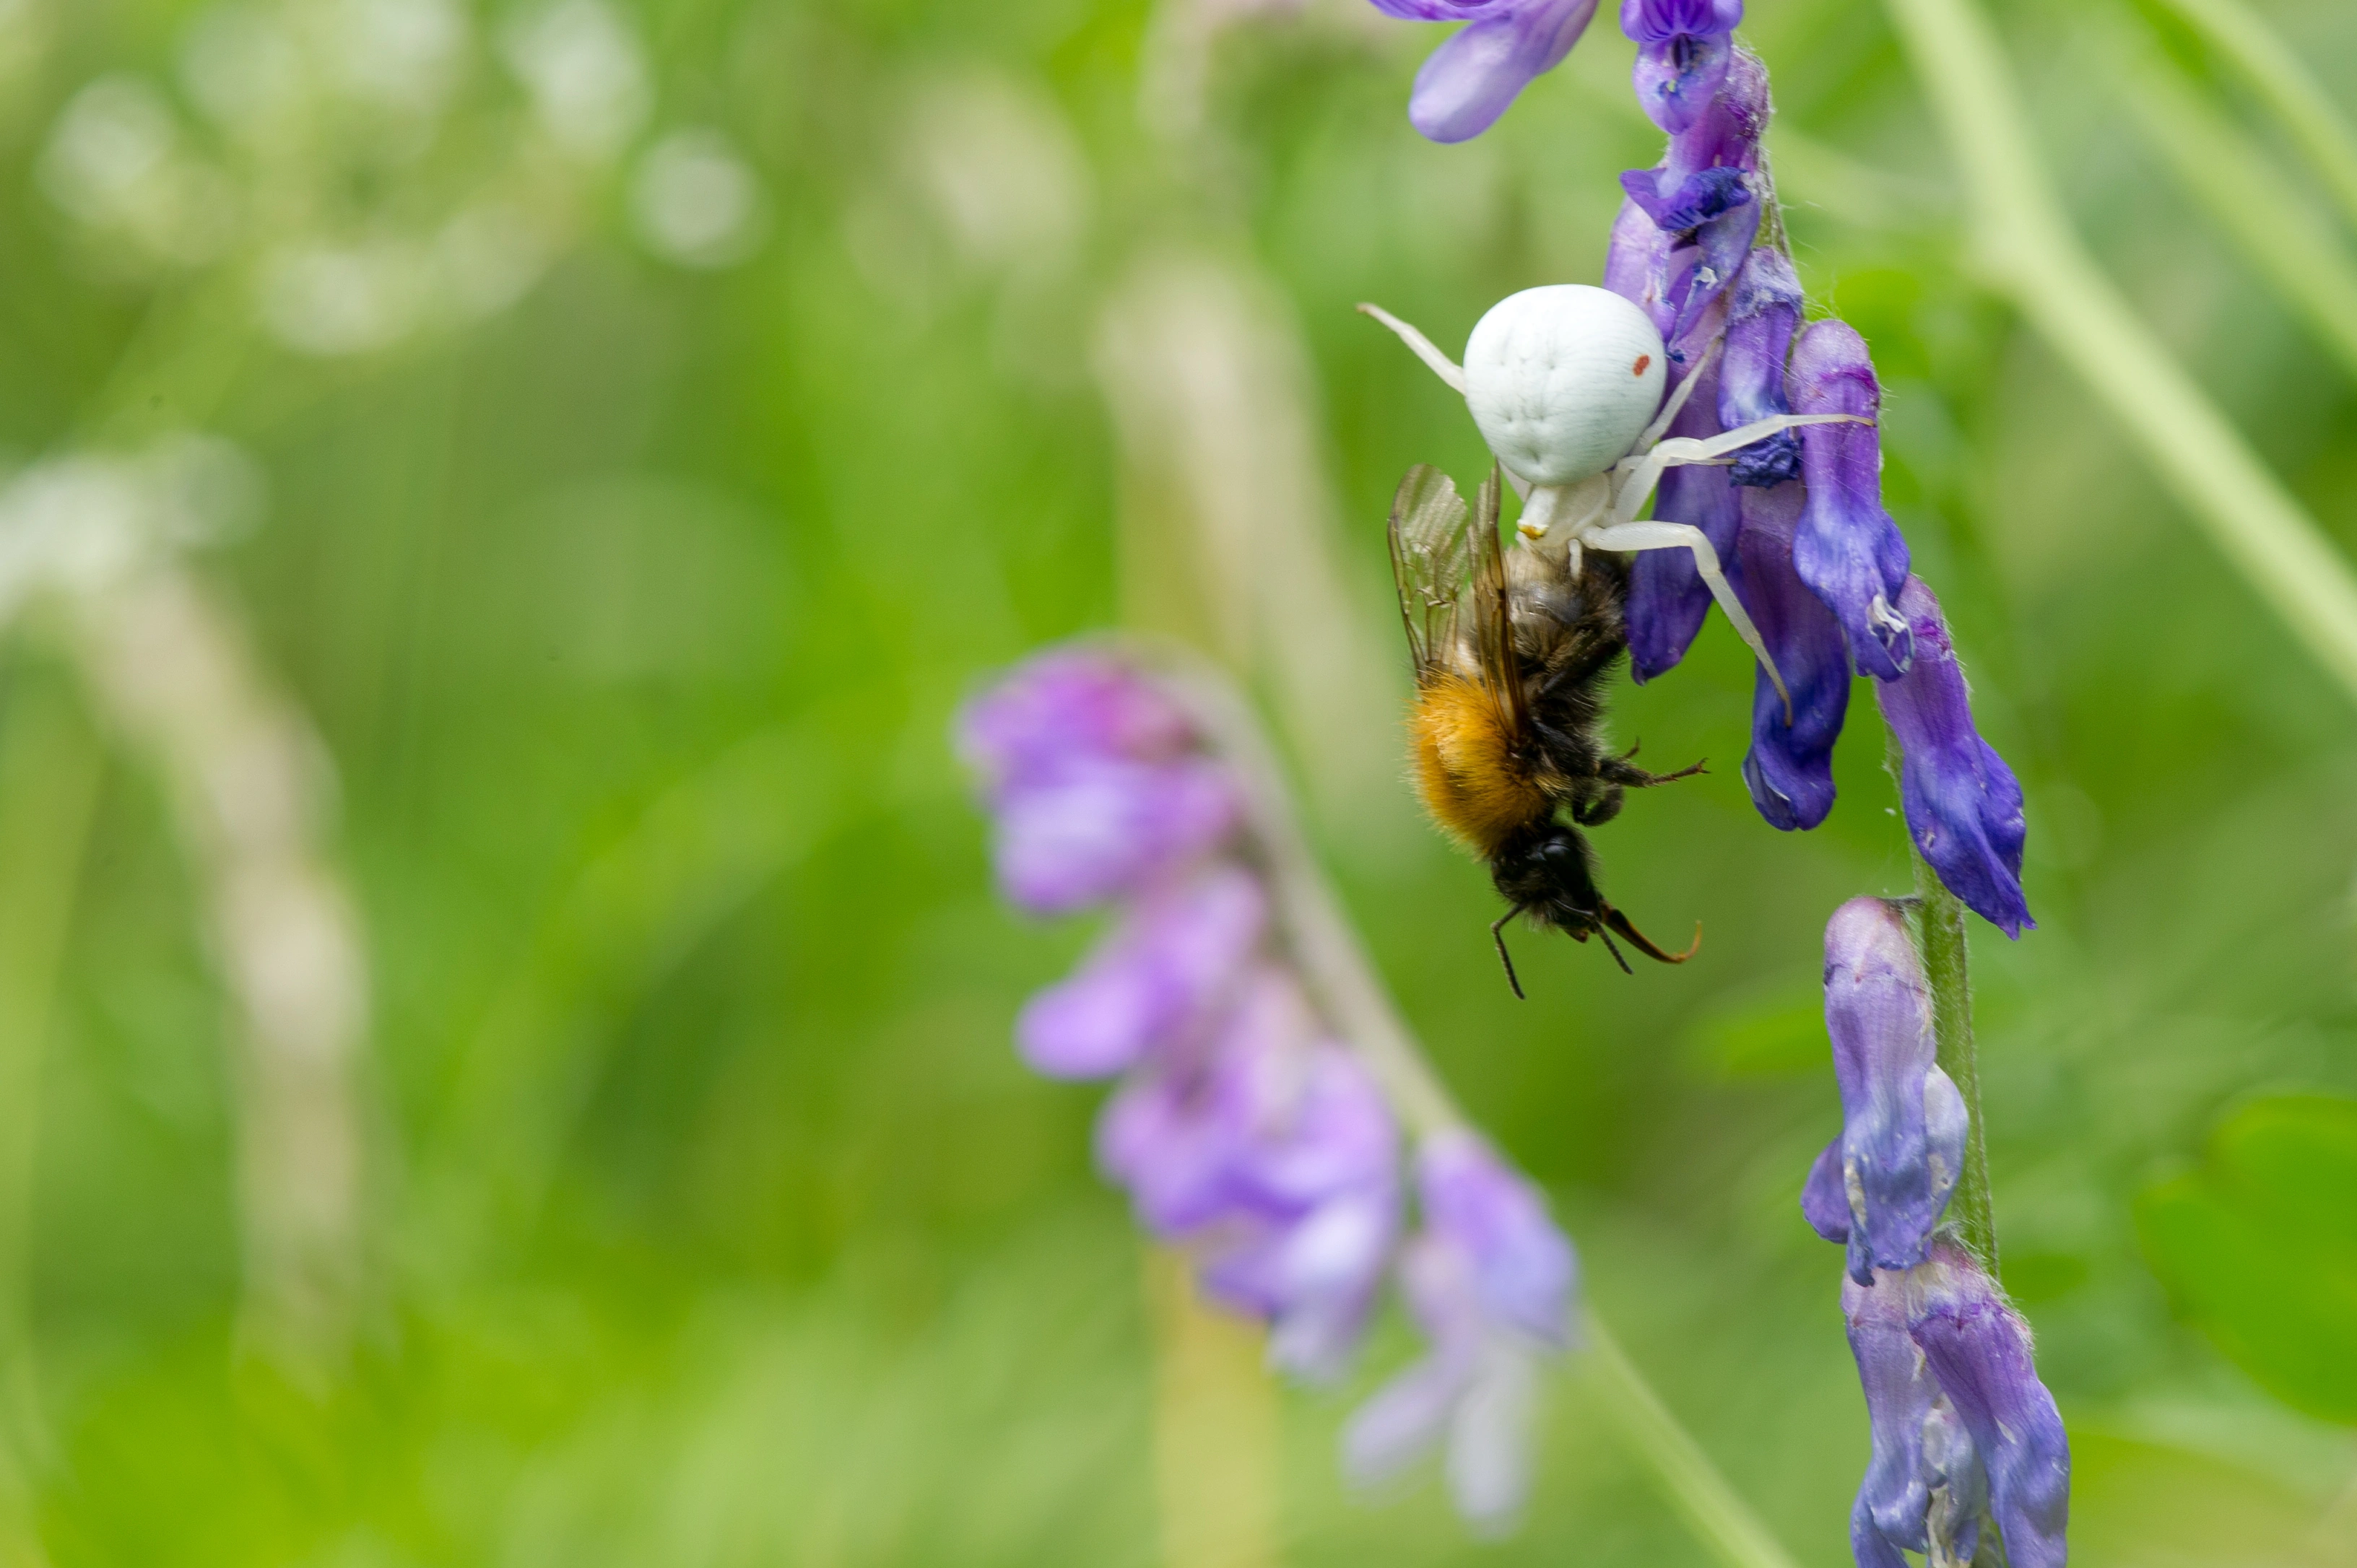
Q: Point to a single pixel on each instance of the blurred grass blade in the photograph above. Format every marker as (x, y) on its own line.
(2027, 250)
(2278, 229)
(2277, 71)
(1722, 1521)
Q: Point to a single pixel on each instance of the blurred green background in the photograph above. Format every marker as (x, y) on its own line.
(642, 424)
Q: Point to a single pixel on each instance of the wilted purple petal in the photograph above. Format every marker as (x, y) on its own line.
(1964, 804)
(1470, 80)
(1689, 203)
(1667, 600)
(1523, 1267)
(1790, 768)
(1824, 1201)
(1978, 1349)
(1098, 828)
(1684, 50)
(1065, 706)
(1848, 551)
(1763, 312)
(1159, 979)
(1903, 1122)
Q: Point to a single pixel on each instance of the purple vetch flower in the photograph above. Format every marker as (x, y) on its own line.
(1923, 1488)
(1790, 768)
(1979, 1349)
(1470, 80)
(1904, 1121)
(1683, 52)
(1103, 827)
(1848, 551)
(1964, 804)
(1161, 980)
(1705, 198)
(1066, 705)
(1763, 312)
(1490, 1279)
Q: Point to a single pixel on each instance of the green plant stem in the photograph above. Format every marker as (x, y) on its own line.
(2027, 250)
(2277, 72)
(1939, 922)
(1692, 1483)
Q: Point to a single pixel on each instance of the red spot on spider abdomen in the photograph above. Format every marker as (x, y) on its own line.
(1642, 361)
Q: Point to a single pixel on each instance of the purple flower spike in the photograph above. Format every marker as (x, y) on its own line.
(1065, 707)
(1632, 265)
(1683, 51)
(1704, 196)
(1763, 312)
(1978, 1349)
(1159, 982)
(1524, 1269)
(1667, 598)
(1790, 768)
(1471, 80)
(1848, 551)
(1098, 828)
(1903, 1122)
(1964, 804)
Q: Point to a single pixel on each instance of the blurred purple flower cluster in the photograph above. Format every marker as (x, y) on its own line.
(1242, 1128)
(1797, 520)
(1963, 1430)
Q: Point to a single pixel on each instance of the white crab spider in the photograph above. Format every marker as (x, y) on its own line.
(1564, 383)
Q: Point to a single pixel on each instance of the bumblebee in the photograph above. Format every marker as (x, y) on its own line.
(1512, 649)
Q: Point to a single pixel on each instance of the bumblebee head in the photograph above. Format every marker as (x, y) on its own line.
(1549, 874)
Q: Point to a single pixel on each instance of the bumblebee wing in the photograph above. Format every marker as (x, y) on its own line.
(1429, 557)
(1492, 629)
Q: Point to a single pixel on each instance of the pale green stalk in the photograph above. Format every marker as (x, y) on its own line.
(2277, 229)
(1938, 920)
(2276, 71)
(2026, 249)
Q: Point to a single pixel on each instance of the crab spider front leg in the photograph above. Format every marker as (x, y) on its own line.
(1644, 469)
(1686, 536)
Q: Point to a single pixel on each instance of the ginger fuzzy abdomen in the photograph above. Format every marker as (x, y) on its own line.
(1467, 773)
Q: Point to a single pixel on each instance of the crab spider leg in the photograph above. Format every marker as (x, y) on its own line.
(1685, 536)
(1645, 471)
(1677, 403)
(1442, 365)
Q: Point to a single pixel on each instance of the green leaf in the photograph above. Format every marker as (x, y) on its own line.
(2258, 1246)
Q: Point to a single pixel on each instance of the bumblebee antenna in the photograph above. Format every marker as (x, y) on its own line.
(1498, 935)
(1615, 952)
(1645, 944)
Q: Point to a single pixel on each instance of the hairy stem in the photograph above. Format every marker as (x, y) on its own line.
(1939, 923)
(2027, 250)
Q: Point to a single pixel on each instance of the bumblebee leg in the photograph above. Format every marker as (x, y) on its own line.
(1602, 808)
(1498, 935)
(1659, 535)
(1618, 771)
(1645, 944)
(1614, 951)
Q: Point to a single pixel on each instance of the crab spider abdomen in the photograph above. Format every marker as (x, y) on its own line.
(1563, 380)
